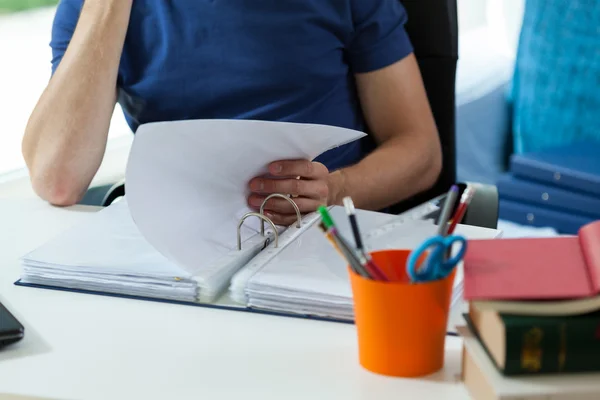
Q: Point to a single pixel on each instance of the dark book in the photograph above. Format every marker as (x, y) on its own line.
(528, 345)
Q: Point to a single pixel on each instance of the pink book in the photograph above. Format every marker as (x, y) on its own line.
(559, 275)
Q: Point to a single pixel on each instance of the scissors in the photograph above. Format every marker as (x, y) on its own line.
(435, 265)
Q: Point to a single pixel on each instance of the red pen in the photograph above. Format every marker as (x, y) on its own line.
(465, 199)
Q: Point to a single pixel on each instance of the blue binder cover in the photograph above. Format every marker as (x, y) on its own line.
(575, 167)
(538, 216)
(544, 195)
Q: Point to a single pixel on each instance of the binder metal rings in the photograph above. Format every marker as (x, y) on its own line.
(262, 208)
(263, 218)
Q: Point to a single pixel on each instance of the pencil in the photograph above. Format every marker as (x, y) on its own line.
(325, 217)
(350, 255)
(447, 210)
(330, 238)
(361, 263)
(340, 244)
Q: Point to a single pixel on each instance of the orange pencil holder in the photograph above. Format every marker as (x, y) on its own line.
(401, 325)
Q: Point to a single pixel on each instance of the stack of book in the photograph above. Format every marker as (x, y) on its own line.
(558, 187)
(533, 325)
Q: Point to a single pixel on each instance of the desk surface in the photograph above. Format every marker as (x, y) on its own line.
(81, 346)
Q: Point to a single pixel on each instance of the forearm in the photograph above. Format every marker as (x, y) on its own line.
(398, 169)
(66, 134)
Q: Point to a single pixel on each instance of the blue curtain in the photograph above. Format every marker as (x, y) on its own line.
(556, 87)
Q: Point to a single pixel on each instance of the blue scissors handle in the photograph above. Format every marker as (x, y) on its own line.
(435, 265)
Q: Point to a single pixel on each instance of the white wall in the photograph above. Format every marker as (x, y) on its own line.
(471, 14)
(502, 17)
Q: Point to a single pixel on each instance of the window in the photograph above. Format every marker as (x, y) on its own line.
(24, 71)
(501, 18)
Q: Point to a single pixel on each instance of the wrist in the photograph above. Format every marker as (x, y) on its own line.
(337, 187)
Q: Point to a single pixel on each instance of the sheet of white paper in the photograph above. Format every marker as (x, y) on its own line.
(187, 181)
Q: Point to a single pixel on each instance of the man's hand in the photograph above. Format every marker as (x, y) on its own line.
(309, 183)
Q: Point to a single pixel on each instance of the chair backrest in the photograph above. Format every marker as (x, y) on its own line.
(433, 29)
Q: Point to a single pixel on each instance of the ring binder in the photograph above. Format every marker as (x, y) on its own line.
(262, 208)
(263, 218)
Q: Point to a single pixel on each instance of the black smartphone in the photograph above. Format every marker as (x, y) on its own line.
(11, 330)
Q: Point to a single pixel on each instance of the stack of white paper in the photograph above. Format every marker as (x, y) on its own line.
(107, 253)
(318, 284)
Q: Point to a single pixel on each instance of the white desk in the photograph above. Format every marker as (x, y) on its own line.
(80, 346)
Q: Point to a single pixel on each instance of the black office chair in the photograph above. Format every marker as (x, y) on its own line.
(433, 29)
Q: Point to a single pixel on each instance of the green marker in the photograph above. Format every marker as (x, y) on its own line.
(327, 221)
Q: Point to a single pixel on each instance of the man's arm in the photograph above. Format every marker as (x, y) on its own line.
(66, 135)
(408, 157)
(407, 160)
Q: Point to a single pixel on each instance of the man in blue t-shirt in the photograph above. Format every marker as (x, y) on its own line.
(346, 63)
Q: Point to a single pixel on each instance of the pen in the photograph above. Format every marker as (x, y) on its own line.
(355, 263)
(341, 244)
(368, 269)
(465, 200)
(368, 262)
(447, 210)
(325, 217)
(349, 206)
(329, 237)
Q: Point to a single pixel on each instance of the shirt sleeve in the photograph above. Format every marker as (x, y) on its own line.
(63, 26)
(379, 38)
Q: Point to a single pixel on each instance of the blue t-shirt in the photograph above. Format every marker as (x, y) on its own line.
(276, 60)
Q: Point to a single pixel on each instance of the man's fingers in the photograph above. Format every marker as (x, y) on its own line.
(296, 187)
(281, 206)
(302, 168)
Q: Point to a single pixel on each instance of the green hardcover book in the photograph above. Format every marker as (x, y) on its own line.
(531, 345)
